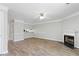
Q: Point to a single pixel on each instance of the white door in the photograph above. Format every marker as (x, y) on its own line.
(18, 31)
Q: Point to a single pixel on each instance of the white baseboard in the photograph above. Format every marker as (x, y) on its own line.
(18, 40)
(76, 47)
(28, 37)
(4, 52)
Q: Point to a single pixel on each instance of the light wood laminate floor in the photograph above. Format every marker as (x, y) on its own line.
(39, 47)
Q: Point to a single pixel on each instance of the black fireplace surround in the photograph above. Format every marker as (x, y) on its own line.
(69, 41)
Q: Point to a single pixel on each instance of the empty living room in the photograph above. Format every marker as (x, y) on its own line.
(39, 29)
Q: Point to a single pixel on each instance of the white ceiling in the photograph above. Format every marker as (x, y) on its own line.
(30, 12)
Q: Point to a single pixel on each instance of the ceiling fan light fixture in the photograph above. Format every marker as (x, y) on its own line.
(41, 16)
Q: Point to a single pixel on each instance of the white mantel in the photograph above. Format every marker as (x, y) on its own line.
(71, 34)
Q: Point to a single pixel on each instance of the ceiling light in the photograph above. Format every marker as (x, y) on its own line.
(41, 16)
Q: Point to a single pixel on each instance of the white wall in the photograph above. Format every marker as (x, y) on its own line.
(50, 31)
(71, 25)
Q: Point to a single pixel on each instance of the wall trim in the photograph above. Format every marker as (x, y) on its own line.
(18, 40)
(48, 22)
(47, 39)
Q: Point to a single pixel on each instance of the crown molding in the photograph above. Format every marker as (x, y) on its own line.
(70, 16)
(47, 22)
(59, 20)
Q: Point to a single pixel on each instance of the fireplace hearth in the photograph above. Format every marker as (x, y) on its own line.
(69, 41)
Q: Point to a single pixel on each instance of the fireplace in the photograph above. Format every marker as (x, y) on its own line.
(69, 41)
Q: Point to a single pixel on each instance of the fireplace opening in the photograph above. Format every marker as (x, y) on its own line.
(69, 41)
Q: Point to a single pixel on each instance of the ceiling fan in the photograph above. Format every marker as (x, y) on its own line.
(42, 16)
